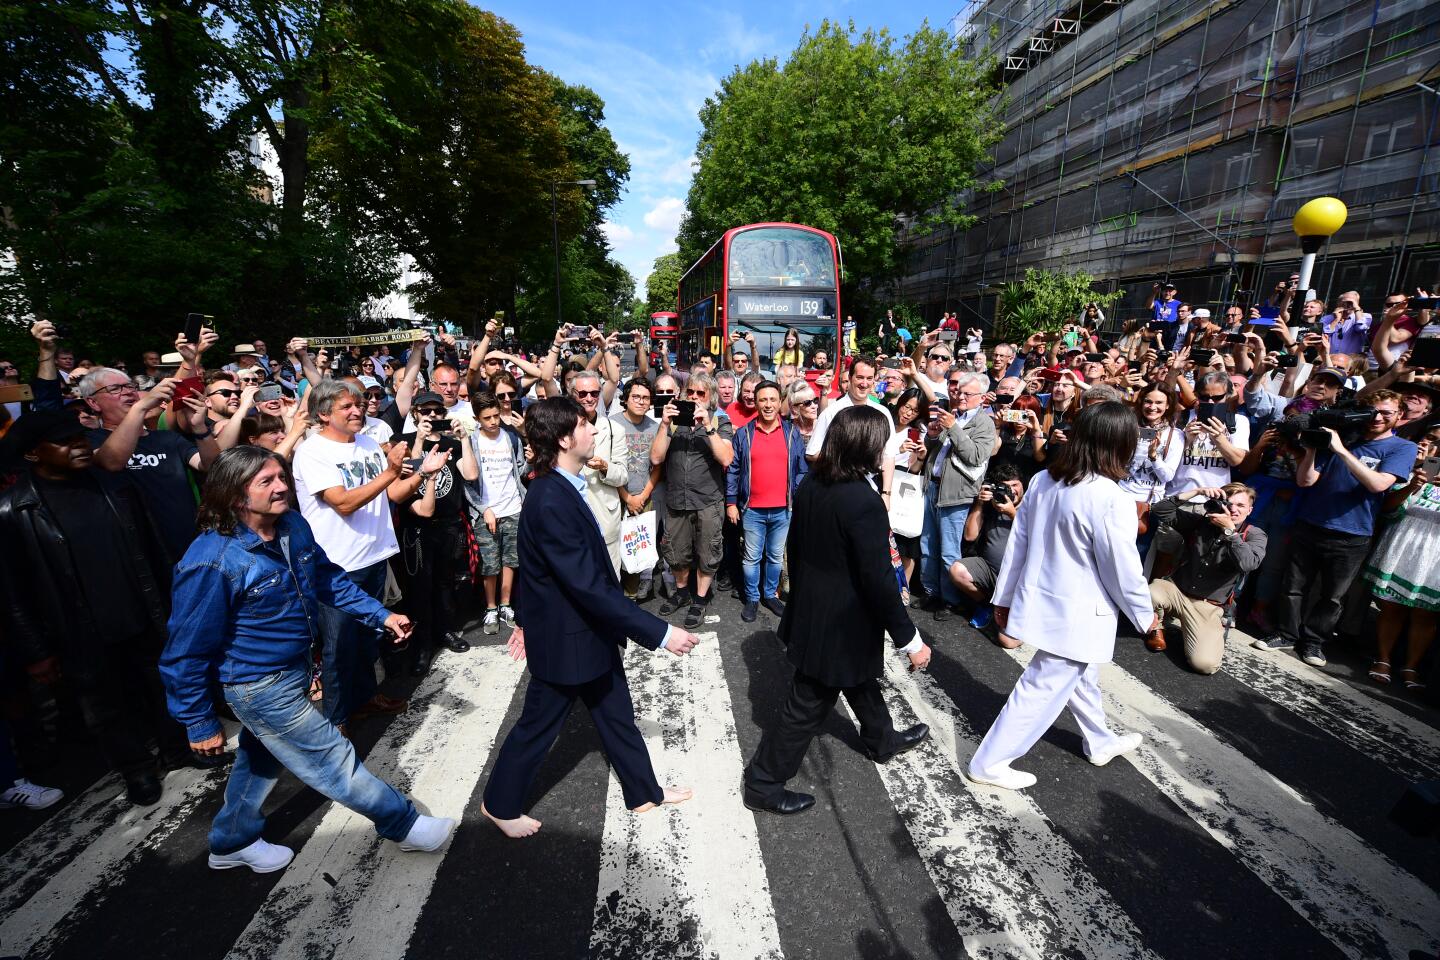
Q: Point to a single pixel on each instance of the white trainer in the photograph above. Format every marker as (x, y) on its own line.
(428, 834)
(260, 856)
(30, 796)
(1006, 778)
(1117, 746)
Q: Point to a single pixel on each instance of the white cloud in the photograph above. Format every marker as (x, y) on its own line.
(678, 172)
(619, 235)
(665, 216)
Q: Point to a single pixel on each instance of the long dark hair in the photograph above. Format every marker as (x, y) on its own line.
(546, 422)
(1101, 443)
(225, 488)
(853, 445)
(922, 409)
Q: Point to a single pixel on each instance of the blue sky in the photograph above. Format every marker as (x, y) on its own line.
(654, 64)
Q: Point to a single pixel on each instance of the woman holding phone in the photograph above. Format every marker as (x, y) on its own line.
(911, 412)
(1070, 570)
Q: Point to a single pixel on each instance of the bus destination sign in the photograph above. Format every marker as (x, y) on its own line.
(786, 305)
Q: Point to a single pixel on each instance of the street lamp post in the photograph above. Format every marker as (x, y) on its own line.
(1316, 222)
(555, 232)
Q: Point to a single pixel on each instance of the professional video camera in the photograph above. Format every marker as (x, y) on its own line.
(1346, 416)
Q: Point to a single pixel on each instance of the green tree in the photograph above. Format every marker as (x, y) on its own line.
(663, 284)
(857, 134)
(1045, 300)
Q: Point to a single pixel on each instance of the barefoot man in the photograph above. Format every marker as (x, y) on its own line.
(572, 621)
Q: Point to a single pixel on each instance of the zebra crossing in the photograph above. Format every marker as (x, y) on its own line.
(1250, 821)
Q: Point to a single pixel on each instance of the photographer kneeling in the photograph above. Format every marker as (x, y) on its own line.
(1216, 547)
(987, 531)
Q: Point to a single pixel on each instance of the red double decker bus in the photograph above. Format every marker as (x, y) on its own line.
(765, 279)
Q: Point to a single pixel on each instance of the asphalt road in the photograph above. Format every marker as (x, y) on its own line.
(1252, 822)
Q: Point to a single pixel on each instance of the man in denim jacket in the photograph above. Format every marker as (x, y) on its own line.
(245, 609)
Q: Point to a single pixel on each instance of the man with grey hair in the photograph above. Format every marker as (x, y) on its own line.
(605, 473)
(695, 455)
(959, 443)
(1101, 393)
(157, 460)
(340, 475)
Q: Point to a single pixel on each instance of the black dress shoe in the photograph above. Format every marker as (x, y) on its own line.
(789, 802)
(774, 605)
(456, 643)
(143, 789)
(421, 666)
(905, 740)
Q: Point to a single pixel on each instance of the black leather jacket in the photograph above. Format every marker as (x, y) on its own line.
(43, 600)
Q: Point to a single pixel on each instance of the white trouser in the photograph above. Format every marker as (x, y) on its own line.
(1046, 687)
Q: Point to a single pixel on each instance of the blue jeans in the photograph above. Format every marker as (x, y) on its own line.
(283, 729)
(347, 669)
(941, 540)
(765, 530)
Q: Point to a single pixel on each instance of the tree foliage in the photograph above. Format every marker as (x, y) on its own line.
(1045, 300)
(663, 285)
(133, 191)
(857, 134)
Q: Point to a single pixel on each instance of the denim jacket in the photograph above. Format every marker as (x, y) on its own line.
(241, 611)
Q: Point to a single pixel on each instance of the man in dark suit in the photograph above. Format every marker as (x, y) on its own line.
(844, 595)
(572, 620)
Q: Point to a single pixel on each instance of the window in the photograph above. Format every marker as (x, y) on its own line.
(781, 257)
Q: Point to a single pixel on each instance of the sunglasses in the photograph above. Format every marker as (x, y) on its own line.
(807, 403)
(938, 356)
(223, 392)
(696, 393)
(585, 394)
(509, 395)
(377, 394)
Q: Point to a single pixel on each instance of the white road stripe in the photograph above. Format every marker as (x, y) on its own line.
(78, 855)
(1013, 886)
(688, 880)
(103, 849)
(1350, 892)
(350, 894)
(1407, 746)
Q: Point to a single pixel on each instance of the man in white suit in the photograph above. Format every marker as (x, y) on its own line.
(1070, 569)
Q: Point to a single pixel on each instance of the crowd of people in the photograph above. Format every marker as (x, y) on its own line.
(1286, 476)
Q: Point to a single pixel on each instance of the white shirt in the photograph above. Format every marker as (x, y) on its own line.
(1148, 478)
(378, 430)
(498, 491)
(1201, 464)
(366, 536)
(817, 439)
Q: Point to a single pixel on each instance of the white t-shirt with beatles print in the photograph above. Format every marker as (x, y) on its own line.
(365, 537)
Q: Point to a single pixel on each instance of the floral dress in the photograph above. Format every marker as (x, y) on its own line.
(1405, 567)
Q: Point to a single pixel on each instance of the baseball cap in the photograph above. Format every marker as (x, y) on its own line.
(41, 426)
(370, 383)
(1200, 313)
(1339, 375)
(428, 397)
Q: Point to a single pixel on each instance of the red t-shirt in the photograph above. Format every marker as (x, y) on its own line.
(769, 469)
(738, 416)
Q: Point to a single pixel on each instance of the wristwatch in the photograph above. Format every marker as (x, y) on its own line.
(201, 436)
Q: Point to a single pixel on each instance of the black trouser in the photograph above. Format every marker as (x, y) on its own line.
(607, 697)
(436, 557)
(1322, 565)
(782, 749)
(730, 564)
(123, 702)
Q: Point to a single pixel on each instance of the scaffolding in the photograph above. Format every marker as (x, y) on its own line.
(1174, 139)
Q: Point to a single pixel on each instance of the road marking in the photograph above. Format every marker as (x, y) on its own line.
(103, 848)
(1346, 889)
(1013, 886)
(435, 751)
(688, 880)
(1405, 745)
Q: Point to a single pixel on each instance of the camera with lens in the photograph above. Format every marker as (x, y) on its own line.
(1346, 417)
(999, 491)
